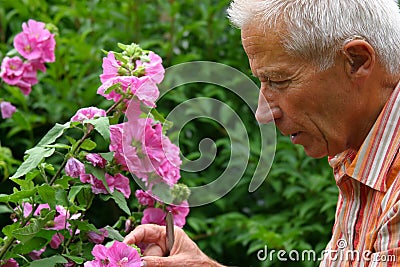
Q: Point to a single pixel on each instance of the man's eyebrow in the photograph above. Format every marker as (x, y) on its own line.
(272, 74)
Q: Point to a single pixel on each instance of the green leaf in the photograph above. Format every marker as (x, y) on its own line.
(64, 181)
(61, 198)
(75, 191)
(121, 201)
(62, 146)
(8, 229)
(102, 126)
(48, 262)
(5, 209)
(114, 234)
(35, 243)
(108, 156)
(48, 195)
(4, 198)
(28, 232)
(112, 88)
(20, 195)
(35, 156)
(88, 145)
(54, 133)
(84, 225)
(78, 260)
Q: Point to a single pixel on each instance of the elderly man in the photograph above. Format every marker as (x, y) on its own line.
(329, 71)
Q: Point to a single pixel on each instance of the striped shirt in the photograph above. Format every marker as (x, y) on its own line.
(367, 222)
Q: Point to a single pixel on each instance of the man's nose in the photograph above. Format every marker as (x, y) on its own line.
(267, 111)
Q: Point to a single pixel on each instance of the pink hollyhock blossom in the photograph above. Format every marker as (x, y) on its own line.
(35, 42)
(100, 253)
(144, 198)
(12, 70)
(153, 215)
(86, 178)
(15, 72)
(169, 168)
(153, 69)
(36, 254)
(110, 67)
(56, 240)
(9, 263)
(98, 186)
(143, 88)
(74, 168)
(96, 160)
(116, 133)
(121, 254)
(97, 238)
(179, 213)
(60, 223)
(118, 182)
(121, 183)
(88, 114)
(7, 109)
(142, 144)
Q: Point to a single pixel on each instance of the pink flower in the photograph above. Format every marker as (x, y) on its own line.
(86, 178)
(116, 133)
(88, 114)
(35, 42)
(118, 182)
(153, 69)
(110, 67)
(96, 160)
(15, 72)
(144, 198)
(153, 215)
(74, 168)
(145, 149)
(98, 186)
(100, 253)
(143, 88)
(12, 70)
(56, 240)
(60, 223)
(7, 109)
(179, 212)
(10, 263)
(120, 254)
(36, 254)
(97, 238)
(121, 183)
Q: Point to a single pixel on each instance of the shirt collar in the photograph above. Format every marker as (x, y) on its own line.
(373, 160)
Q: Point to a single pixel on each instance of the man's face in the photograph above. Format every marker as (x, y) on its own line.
(314, 108)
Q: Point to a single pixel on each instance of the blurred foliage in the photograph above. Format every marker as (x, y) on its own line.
(293, 209)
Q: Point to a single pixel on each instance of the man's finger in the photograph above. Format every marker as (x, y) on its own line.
(148, 233)
(153, 250)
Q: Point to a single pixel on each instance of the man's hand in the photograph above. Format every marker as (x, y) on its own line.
(184, 252)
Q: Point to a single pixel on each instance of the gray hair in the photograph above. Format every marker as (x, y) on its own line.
(318, 29)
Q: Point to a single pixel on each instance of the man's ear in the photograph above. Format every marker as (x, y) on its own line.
(359, 57)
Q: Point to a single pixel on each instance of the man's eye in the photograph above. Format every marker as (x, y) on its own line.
(279, 84)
